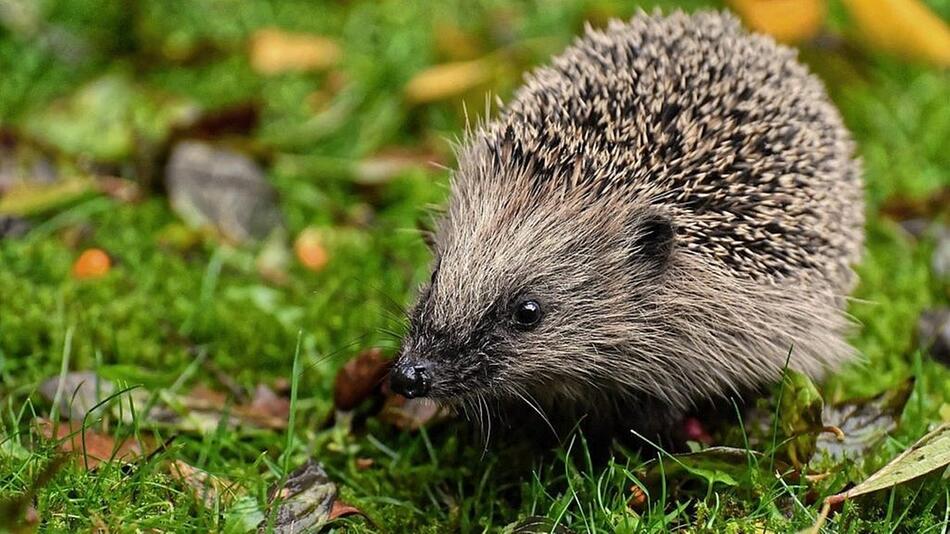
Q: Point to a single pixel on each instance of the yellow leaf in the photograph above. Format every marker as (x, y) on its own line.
(787, 20)
(447, 80)
(29, 199)
(275, 51)
(905, 27)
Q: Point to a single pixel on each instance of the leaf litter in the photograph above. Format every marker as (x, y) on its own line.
(305, 501)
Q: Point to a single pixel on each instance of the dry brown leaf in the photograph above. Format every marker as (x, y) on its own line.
(444, 81)
(266, 410)
(274, 51)
(342, 509)
(266, 403)
(787, 20)
(638, 499)
(905, 208)
(204, 398)
(905, 27)
(359, 378)
(206, 487)
(90, 447)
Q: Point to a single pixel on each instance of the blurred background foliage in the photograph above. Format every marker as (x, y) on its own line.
(341, 115)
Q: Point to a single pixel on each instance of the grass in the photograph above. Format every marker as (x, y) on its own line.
(163, 305)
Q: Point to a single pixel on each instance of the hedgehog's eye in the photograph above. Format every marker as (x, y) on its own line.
(527, 314)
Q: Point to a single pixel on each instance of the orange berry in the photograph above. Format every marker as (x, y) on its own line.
(92, 263)
(309, 249)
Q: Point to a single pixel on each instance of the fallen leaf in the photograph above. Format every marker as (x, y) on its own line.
(274, 51)
(78, 392)
(728, 466)
(306, 501)
(92, 263)
(209, 185)
(905, 27)
(930, 453)
(447, 80)
(342, 509)
(268, 404)
(714, 465)
(310, 250)
(864, 423)
(360, 378)
(32, 199)
(638, 498)
(412, 414)
(89, 447)
(204, 398)
(234, 120)
(929, 207)
(204, 410)
(789, 21)
(207, 488)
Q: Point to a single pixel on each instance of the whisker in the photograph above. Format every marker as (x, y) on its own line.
(537, 409)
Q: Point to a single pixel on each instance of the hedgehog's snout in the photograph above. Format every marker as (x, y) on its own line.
(411, 378)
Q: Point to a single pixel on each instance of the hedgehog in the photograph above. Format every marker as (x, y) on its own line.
(666, 214)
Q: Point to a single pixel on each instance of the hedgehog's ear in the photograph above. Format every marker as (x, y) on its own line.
(654, 237)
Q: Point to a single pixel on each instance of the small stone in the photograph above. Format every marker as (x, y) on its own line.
(12, 226)
(79, 393)
(940, 262)
(215, 186)
(933, 333)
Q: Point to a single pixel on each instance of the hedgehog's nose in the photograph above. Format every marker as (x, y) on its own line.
(410, 380)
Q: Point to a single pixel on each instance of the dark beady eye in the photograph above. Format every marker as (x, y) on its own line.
(527, 314)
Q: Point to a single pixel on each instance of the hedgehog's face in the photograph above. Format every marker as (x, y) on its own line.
(522, 304)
